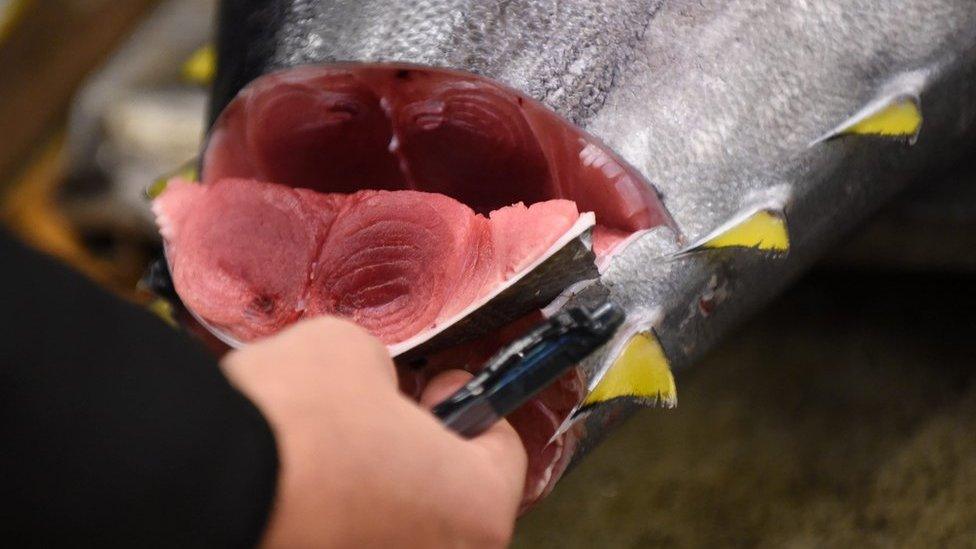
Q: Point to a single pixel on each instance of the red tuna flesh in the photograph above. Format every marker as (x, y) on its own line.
(250, 257)
(346, 128)
(449, 146)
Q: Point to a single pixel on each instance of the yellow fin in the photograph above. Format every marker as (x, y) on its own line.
(899, 119)
(164, 310)
(201, 66)
(763, 229)
(896, 116)
(641, 371)
(188, 172)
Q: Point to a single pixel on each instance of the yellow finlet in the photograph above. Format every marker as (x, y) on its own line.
(201, 67)
(164, 310)
(641, 371)
(762, 229)
(187, 171)
(899, 119)
(898, 116)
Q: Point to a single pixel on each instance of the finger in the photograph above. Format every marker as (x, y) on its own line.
(500, 443)
(350, 346)
(505, 452)
(442, 386)
(328, 345)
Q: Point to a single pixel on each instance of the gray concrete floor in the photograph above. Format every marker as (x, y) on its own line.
(845, 415)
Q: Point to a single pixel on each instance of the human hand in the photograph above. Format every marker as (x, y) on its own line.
(360, 464)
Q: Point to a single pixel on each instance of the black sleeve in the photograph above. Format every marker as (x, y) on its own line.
(115, 429)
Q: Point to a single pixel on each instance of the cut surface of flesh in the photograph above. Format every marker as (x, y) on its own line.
(346, 128)
(250, 258)
(402, 195)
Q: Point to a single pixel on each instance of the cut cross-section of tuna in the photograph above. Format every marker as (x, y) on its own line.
(241, 253)
(248, 258)
(334, 133)
(345, 128)
(392, 261)
(451, 219)
(351, 128)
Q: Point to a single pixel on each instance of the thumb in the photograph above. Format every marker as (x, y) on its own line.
(311, 360)
(442, 386)
(501, 442)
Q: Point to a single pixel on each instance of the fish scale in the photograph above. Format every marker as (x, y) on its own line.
(476, 36)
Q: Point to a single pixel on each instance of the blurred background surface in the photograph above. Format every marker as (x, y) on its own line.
(843, 415)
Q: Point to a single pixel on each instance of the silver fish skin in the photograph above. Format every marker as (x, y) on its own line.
(718, 103)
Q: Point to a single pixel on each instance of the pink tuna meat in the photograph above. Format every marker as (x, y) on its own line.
(251, 257)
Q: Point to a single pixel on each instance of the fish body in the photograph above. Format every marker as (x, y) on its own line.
(769, 128)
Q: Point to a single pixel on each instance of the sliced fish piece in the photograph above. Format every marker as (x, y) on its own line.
(566, 262)
(250, 258)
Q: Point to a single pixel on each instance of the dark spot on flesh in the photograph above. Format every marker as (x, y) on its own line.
(262, 304)
(521, 101)
(403, 74)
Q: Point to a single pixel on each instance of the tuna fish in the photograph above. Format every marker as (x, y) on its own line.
(768, 127)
